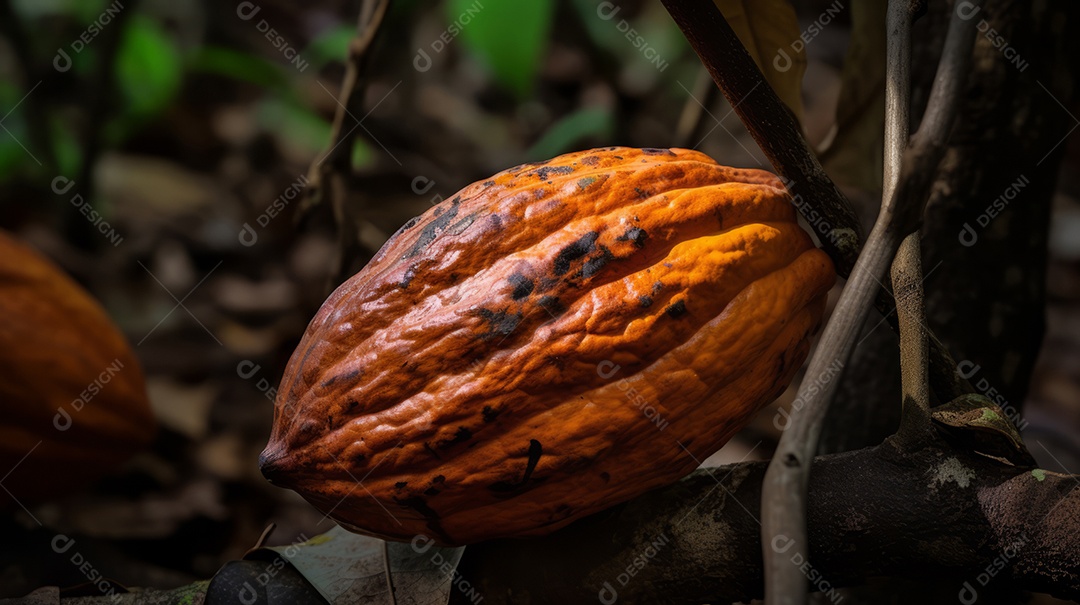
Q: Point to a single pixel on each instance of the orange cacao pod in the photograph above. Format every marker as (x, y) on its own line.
(72, 394)
(547, 343)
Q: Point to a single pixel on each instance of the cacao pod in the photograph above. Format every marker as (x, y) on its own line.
(549, 342)
(72, 395)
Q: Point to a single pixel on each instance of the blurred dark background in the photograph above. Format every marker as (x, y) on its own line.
(157, 151)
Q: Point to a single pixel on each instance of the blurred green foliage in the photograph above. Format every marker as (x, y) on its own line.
(510, 38)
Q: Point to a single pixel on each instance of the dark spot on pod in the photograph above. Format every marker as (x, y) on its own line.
(500, 323)
(489, 183)
(329, 421)
(535, 451)
(427, 446)
(657, 151)
(401, 484)
(462, 435)
(359, 458)
(656, 287)
(438, 210)
(676, 309)
(584, 245)
(583, 183)
(406, 279)
(642, 194)
(438, 479)
(634, 234)
(453, 278)
(431, 491)
(352, 405)
(547, 283)
(605, 477)
(461, 225)
(496, 222)
(409, 224)
(552, 305)
(645, 301)
(432, 229)
(590, 160)
(597, 262)
(343, 377)
(523, 286)
(489, 414)
(544, 173)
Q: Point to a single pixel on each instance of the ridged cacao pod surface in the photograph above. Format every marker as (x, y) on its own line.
(72, 394)
(548, 342)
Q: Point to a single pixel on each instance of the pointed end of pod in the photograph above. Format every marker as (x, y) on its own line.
(274, 464)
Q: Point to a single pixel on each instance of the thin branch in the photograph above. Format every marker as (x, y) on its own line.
(777, 132)
(771, 123)
(329, 175)
(785, 487)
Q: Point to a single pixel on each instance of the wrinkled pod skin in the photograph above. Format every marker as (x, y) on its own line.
(548, 343)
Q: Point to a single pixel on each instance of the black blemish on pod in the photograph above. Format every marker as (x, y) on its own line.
(634, 234)
(657, 151)
(645, 301)
(432, 229)
(593, 265)
(406, 279)
(489, 183)
(489, 414)
(676, 309)
(552, 305)
(584, 245)
(522, 285)
(535, 451)
(401, 484)
(500, 323)
(544, 173)
(590, 160)
(462, 435)
(657, 287)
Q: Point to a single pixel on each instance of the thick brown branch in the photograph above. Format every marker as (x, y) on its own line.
(698, 541)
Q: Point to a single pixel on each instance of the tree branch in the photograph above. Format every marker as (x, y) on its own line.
(778, 134)
(787, 480)
(771, 123)
(329, 176)
(697, 541)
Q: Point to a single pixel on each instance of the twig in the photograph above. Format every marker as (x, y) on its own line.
(771, 124)
(785, 488)
(328, 177)
(778, 134)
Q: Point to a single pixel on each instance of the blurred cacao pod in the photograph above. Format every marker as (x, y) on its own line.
(72, 397)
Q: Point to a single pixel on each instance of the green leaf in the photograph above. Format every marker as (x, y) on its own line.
(296, 125)
(350, 568)
(508, 37)
(563, 135)
(148, 67)
(239, 66)
(331, 45)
